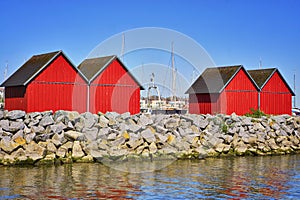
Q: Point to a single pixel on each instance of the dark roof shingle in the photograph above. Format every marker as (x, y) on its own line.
(29, 69)
(260, 76)
(92, 67)
(213, 80)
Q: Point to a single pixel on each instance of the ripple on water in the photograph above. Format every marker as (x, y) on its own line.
(274, 177)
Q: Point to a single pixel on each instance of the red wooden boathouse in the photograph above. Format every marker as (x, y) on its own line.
(111, 86)
(275, 94)
(46, 82)
(223, 90)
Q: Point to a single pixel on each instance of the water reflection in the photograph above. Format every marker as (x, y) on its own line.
(274, 177)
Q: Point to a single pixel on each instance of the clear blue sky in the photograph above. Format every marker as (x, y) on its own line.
(232, 32)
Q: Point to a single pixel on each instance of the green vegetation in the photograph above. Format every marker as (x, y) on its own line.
(255, 113)
(224, 128)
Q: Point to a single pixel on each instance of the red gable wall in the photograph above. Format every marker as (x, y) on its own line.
(114, 90)
(276, 97)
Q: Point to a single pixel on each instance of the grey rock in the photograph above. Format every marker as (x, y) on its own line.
(112, 136)
(15, 114)
(37, 129)
(133, 144)
(42, 137)
(33, 115)
(182, 145)
(287, 129)
(123, 127)
(103, 133)
(144, 120)
(232, 130)
(103, 121)
(247, 121)
(15, 126)
(275, 126)
(212, 141)
(46, 121)
(89, 120)
(58, 114)
(58, 139)
(161, 129)
(72, 115)
(171, 123)
(79, 123)
(73, 135)
(29, 137)
(19, 134)
(272, 144)
(34, 151)
(98, 153)
(202, 123)
(51, 148)
(279, 119)
(4, 124)
(8, 145)
(202, 152)
(134, 128)
(1, 114)
(182, 132)
(190, 138)
(169, 150)
(90, 133)
(33, 122)
(187, 118)
(241, 149)
(148, 135)
(152, 148)
(77, 151)
(162, 137)
(228, 139)
(47, 113)
(117, 142)
(19, 154)
(112, 115)
(125, 115)
(57, 128)
(258, 127)
(61, 152)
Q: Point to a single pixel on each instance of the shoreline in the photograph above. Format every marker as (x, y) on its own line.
(40, 138)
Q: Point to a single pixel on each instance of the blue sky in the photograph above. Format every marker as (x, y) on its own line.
(232, 32)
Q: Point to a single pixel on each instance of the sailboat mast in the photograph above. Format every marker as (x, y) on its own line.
(173, 75)
(123, 47)
(295, 89)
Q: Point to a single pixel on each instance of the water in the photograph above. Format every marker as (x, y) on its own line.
(271, 177)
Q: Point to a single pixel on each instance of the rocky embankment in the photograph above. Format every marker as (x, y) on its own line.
(66, 137)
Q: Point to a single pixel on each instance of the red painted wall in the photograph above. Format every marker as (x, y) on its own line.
(239, 96)
(57, 87)
(114, 90)
(204, 103)
(276, 97)
(15, 98)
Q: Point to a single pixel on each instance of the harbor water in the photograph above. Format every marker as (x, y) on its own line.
(264, 177)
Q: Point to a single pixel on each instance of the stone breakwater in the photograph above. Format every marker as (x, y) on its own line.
(66, 137)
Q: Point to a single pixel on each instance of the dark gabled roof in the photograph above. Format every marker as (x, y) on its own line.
(91, 68)
(262, 76)
(214, 80)
(30, 69)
